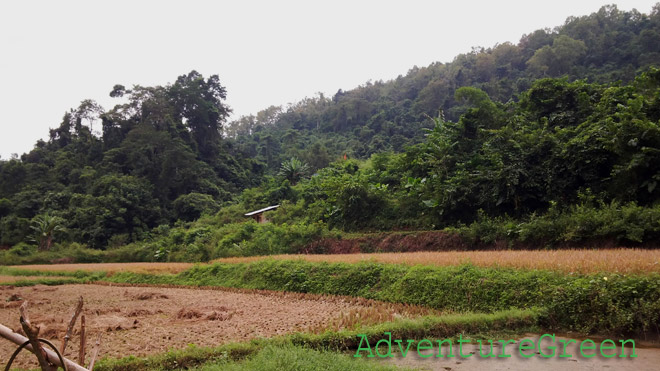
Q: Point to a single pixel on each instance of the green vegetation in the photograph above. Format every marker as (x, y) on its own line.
(588, 303)
(607, 46)
(552, 142)
(606, 302)
(298, 358)
(477, 325)
(159, 158)
(585, 223)
(532, 140)
(71, 277)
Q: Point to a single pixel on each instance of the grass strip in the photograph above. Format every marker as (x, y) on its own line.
(47, 282)
(12, 271)
(591, 303)
(478, 326)
(291, 357)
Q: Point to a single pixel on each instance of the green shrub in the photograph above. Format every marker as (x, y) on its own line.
(23, 249)
(628, 224)
(191, 206)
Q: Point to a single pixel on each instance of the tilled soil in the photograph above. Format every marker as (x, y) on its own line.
(145, 320)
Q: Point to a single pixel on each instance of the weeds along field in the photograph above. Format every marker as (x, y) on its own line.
(635, 261)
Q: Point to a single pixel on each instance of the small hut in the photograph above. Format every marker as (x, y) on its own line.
(258, 215)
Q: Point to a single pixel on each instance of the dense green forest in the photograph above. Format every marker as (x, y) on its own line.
(607, 46)
(554, 139)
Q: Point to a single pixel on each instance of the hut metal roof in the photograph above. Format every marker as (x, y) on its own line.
(262, 210)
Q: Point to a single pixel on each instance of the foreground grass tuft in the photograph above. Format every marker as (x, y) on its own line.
(290, 357)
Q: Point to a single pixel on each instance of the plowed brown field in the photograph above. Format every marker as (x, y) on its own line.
(147, 320)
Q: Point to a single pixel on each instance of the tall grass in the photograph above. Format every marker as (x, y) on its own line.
(629, 261)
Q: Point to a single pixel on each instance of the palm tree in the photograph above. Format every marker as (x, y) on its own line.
(293, 170)
(44, 227)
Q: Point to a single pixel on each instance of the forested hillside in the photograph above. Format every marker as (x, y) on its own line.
(159, 156)
(554, 139)
(607, 46)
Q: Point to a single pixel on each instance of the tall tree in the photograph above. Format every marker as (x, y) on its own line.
(200, 104)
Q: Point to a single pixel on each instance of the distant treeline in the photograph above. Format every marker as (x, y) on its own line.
(486, 139)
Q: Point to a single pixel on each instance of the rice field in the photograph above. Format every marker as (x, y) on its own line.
(628, 261)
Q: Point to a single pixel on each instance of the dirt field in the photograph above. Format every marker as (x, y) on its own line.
(146, 320)
(581, 261)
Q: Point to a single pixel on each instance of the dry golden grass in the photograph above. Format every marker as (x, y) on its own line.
(580, 261)
(110, 267)
(373, 312)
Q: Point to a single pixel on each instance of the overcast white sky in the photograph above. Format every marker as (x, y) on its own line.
(53, 54)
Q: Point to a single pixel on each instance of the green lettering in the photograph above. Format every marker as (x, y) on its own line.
(611, 347)
(521, 347)
(360, 348)
(389, 346)
(563, 354)
(623, 347)
(583, 347)
(504, 343)
(460, 346)
(451, 353)
(490, 354)
(404, 353)
(420, 347)
(552, 347)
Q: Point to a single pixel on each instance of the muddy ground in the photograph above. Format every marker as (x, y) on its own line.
(648, 356)
(147, 320)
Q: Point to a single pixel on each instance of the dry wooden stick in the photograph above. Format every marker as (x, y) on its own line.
(96, 351)
(72, 322)
(18, 339)
(32, 333)
(81, 352)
